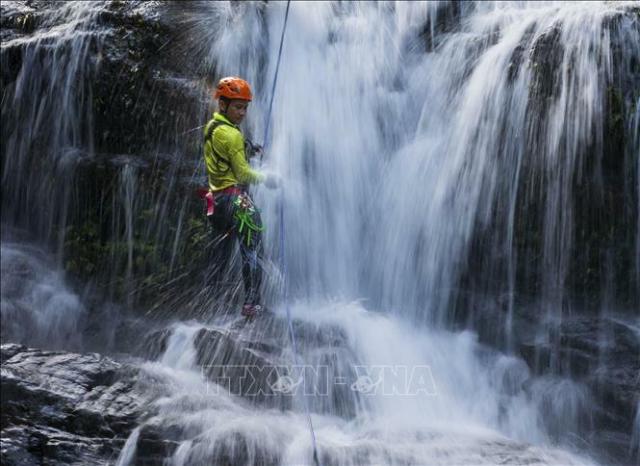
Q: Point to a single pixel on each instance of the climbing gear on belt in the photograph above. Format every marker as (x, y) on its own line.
(244, 214)
(233, 88)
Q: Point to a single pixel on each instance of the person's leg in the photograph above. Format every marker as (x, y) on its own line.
(249, 232)
(222, 223)
(220, 258)
(252, 265)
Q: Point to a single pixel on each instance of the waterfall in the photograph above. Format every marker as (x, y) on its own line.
(435, 158)
(431, 174)
(433, 395)
(412, 140)
(38, 307)
(460, 179)
(47, 119)
(58, 169)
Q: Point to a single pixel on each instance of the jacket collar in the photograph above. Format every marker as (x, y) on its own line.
(220, 117)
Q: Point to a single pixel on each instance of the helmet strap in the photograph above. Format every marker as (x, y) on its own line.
(226, 102)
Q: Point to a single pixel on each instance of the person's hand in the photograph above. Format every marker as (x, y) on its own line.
(252, 149)
(257, 150)
(272, 181)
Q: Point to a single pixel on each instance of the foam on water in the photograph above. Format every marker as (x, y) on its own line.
(467, 419)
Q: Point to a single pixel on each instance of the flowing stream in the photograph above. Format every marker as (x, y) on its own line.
(420, 144)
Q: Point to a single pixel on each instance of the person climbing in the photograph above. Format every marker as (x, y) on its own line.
(230, 208)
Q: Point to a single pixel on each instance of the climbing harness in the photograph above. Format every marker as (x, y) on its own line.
(210, 197)
(283, 263)
(244, 210)
(217, 158)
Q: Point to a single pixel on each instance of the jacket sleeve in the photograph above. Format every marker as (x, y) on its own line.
(241, 168)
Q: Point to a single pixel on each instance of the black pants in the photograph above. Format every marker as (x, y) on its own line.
(226, 230)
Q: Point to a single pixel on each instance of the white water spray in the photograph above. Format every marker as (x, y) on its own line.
(393, 157)
(38, 307)
(398, 142)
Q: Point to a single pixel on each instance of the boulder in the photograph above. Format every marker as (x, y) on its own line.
(62, 408)
(603, 355)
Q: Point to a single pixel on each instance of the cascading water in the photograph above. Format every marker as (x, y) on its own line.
(434, 158)
(448, 408)
(38, 308)
(64, 182)
(396, 157)
(48, 121)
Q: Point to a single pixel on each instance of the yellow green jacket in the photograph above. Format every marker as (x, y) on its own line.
(224, 156)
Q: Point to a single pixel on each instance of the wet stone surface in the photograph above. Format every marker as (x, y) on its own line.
(64, 408)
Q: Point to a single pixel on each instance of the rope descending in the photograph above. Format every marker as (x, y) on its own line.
(283, 262)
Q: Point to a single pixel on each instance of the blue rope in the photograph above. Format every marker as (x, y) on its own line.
(283, 262)
(275, 80)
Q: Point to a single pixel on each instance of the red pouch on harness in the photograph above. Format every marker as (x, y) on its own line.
(207, 195)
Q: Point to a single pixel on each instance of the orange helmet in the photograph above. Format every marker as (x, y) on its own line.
(233, 88)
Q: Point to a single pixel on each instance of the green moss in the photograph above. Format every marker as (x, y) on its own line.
(84, 250)
(141, 266)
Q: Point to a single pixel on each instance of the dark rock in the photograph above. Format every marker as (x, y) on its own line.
(9, 350)
(546, 55)
(154, 344)
(251, 361)
(520, 54)
(136, 91)
(65, 408)
(144, 94)
(156, 443)
(603, 354)
(240, 366)
(29, 445)
(447, 18)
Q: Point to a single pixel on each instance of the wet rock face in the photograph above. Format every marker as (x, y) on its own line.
(600, 354)
(145, 95)
(125, 127)
(260, 368)
(599, 249)
(603, 355)
(609, 350)
(143, 91)
(64, 408)
(595, 224)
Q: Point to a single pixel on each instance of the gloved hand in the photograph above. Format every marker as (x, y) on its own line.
(272, 181)
(252, 149)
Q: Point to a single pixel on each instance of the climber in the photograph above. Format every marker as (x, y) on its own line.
(230, 208)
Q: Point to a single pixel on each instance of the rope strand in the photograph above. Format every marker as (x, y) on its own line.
(275, 80)
(283, 262)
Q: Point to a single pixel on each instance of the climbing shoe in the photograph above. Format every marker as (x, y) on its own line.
(251, 310)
